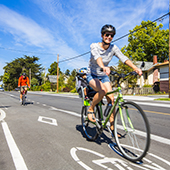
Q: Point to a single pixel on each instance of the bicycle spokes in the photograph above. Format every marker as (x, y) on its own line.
(132, 124)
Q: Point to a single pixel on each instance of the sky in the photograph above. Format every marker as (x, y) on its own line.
(45, 28)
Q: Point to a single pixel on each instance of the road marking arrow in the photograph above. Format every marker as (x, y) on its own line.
(48, 120)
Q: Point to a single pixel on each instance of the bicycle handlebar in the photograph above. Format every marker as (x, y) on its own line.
(122, 75)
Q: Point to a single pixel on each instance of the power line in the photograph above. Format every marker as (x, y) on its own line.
(74, 57)
(9, 49)
(142, 27)
(88, 51)
(118, 38)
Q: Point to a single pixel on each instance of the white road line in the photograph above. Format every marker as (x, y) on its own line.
(153, 104)
(66, 111)
(16, 155)
(153, 137)
(2, 115)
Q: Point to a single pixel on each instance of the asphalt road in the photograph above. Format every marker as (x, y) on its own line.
(47, 135)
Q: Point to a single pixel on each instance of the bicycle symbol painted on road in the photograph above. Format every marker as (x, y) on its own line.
(116, 163)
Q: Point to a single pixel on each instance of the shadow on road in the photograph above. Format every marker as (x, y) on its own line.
(104, 139)
(101, 139)
(4, 106)
(28, 103)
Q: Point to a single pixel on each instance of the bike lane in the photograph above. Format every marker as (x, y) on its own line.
(68, 142)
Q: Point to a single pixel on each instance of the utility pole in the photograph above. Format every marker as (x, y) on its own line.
(169, 49)
(44, 74)
(30, 77)
(57, 70)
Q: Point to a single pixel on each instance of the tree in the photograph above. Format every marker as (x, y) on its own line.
(61, 82)
(34, 82)
(147, 41)
(67, 72)
(14, 69)
(70, 82)
(53, 68)
(1, 78)
(73, 73)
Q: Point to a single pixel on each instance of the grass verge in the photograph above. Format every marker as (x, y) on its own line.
(164, 99)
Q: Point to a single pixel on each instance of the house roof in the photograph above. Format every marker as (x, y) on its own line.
(148, 65)
(159, 64)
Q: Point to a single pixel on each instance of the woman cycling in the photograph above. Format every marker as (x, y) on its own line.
(101, 55)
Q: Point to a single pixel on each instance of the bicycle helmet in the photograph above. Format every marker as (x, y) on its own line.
(82, 71)
(23, 74)
(108, 28)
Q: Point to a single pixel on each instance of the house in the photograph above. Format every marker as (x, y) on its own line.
(163, 69)
(155, 73)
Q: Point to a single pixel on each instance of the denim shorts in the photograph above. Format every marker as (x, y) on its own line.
(103, 79)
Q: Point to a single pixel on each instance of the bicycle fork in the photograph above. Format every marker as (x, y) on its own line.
(122, 118)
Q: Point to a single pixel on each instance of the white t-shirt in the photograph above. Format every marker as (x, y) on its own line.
(107, 55)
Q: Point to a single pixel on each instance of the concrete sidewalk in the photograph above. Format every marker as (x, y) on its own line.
(145, 98)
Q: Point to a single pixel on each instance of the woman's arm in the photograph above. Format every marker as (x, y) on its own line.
(105, 69)
(130, 64)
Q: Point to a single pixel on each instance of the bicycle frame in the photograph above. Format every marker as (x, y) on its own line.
(118, 101)
(125, 112)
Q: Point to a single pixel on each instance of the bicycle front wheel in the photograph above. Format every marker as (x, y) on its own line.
(89, 128)
(131, 131)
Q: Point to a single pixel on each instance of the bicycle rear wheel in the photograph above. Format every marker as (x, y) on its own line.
(23, 99)
(89, 128)
(134, 130)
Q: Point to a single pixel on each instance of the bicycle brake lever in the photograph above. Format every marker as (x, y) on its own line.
(133, 73)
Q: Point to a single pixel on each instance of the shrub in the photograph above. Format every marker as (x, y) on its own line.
(74, 90)
(147, 85)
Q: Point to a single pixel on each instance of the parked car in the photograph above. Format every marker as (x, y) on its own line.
(17, 89)
(1, 89)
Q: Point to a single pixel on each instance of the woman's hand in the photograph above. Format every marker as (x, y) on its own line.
(139, 71)
(136, 69)
(106, 70)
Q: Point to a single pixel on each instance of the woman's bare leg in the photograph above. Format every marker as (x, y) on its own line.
(110, 98)
(99, 87)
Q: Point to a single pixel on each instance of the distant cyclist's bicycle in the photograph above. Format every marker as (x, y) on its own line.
(131, 126)
(23, 97)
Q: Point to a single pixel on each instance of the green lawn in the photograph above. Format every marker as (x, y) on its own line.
(165, 99)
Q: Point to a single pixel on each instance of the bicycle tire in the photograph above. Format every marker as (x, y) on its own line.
(23, 99)
(89, 128)
(135, 140)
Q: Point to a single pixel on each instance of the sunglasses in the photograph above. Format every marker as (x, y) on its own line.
(107, 35)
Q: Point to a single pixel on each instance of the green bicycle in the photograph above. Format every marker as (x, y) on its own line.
(130, 122)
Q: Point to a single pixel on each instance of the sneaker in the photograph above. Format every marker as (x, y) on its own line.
(20, 100)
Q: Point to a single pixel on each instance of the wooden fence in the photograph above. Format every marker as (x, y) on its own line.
(138, 90)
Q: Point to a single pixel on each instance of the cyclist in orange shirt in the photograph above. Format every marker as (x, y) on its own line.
(23, 82)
